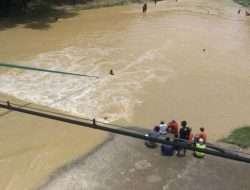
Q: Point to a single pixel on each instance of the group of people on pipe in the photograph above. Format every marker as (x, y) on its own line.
(171, 132)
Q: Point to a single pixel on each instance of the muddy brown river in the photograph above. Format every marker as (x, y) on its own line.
(187, 60)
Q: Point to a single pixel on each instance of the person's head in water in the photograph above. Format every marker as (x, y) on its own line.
(111, 72)
(184, 123)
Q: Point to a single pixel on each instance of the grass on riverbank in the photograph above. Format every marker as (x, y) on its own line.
(245, 3)
(240, 137)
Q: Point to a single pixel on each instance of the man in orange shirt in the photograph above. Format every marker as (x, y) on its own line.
(202, 135)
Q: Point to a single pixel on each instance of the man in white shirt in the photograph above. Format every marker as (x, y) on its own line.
(163, 128)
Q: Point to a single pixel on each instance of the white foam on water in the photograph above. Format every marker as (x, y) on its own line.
(113, 97)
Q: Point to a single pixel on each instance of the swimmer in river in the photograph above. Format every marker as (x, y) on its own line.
(144, 8)
(111, 72)
(239, 11)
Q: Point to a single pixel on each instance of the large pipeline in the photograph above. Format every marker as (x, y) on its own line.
(44, 70)
(94, 125)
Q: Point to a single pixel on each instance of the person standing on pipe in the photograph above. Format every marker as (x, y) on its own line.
(184, 135)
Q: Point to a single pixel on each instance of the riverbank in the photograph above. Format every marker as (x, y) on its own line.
(104, 3)
(40, 8)
(40, 15)
(245, 3)
(239, 137)
(33, 147)
(147, 169)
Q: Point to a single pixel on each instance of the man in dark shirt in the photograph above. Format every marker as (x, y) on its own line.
(184, 136)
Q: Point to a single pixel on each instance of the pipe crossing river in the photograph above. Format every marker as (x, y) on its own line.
(94, 125)
(43, 70)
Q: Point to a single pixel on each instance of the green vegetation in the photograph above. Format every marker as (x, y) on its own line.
(240, 137)
(34, 14)
(40, 14)
(245, 3)
(22, 7)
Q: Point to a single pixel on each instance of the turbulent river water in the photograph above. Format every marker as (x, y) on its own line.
(182, 60)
